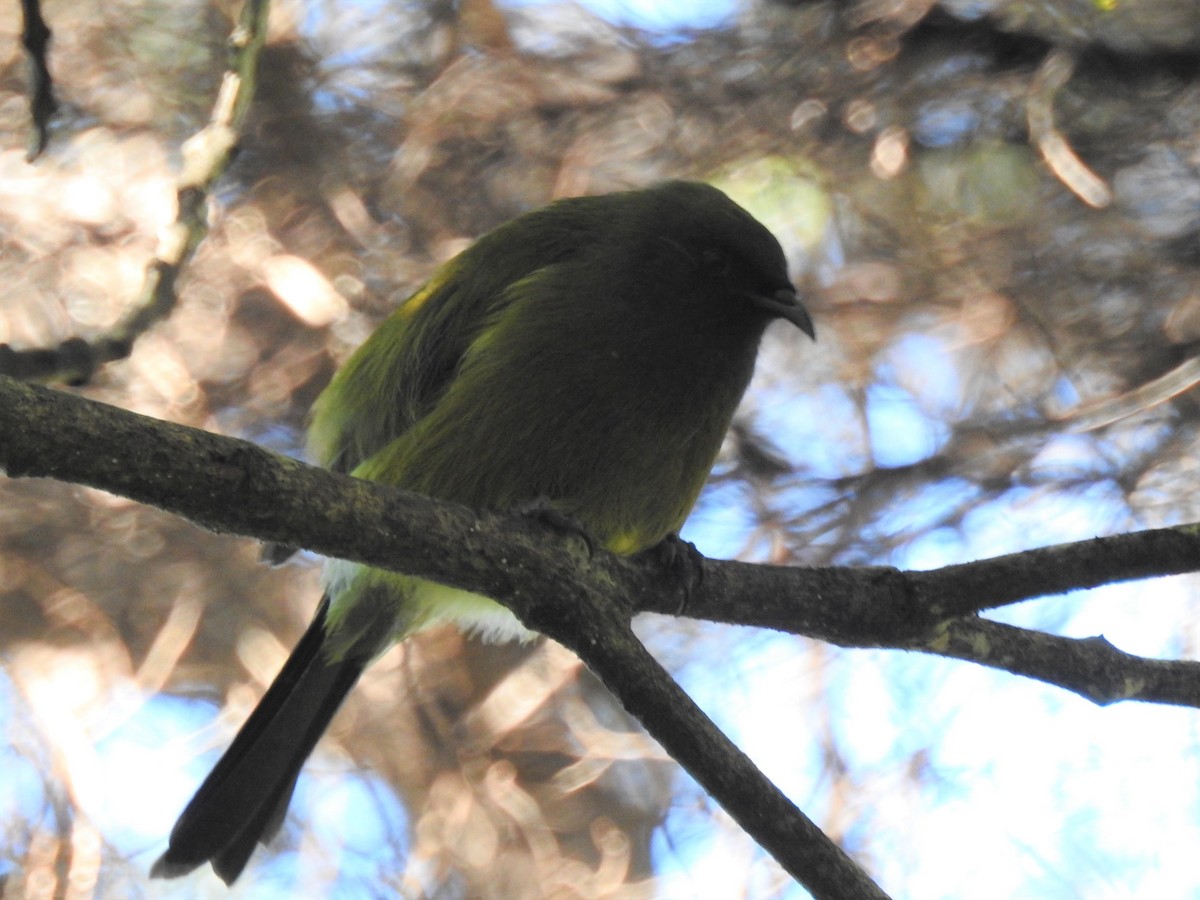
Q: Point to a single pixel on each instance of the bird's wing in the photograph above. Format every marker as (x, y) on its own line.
(400, 373)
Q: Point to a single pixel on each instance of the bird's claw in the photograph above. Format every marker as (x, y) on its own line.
(685, 563)
(542, 510)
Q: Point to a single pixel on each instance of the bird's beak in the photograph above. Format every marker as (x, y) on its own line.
(785, 304)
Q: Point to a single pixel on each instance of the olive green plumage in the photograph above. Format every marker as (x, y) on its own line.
(588, 355)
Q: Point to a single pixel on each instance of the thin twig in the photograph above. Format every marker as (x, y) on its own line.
(206, 156)
(1064, 162)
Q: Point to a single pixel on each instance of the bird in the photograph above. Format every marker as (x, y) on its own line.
(586, 357)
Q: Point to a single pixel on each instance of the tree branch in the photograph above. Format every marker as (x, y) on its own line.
(935, 611)
(1004, 580)
(232, 486)
(229, 485)
(1091, 667)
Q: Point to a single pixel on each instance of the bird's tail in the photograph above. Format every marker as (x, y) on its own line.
(245, 797)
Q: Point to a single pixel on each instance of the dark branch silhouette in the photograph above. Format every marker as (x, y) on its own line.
(35, 38)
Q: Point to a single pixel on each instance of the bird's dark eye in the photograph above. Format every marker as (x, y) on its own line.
(716, 262)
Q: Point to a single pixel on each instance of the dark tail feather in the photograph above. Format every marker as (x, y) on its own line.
(245, 797)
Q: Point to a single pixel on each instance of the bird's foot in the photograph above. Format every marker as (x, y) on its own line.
(542, 510)
(684, 562)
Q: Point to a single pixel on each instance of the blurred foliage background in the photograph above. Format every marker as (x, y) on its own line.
(993, 207)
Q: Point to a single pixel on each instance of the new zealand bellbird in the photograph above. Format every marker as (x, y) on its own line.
(587, 356)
